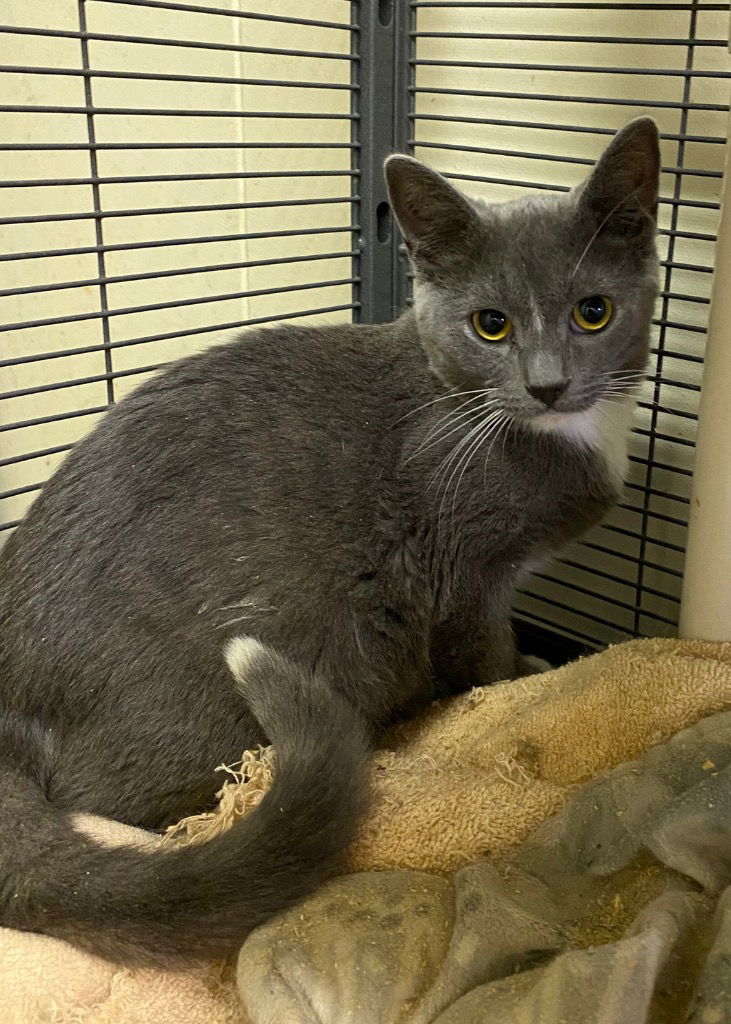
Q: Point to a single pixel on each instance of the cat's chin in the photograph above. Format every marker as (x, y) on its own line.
(553, 420)
(603, 429)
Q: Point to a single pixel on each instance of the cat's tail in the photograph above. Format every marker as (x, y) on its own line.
(171, 907)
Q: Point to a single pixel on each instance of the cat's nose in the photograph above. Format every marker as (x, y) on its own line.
(548, 393)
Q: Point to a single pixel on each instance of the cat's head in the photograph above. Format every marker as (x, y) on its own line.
(547, 299)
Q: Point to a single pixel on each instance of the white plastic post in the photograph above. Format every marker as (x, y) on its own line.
(705, 610)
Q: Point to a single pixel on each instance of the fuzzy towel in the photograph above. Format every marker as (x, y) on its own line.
(464, 785)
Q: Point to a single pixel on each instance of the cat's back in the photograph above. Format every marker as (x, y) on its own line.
(219, 408)
(263, 380)
(279, 433)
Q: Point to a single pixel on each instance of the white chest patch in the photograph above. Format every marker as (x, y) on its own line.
(604, 429)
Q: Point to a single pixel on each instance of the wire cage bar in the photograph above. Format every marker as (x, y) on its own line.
(170, 173)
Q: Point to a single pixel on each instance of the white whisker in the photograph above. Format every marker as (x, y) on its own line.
(443, 466)
(495, 434)
(443, 398)
(507, 432)
(504, 429)
(448, 422)
(454, 459)
(467, 458)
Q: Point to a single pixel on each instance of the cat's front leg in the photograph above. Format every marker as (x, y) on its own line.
(478, 655)
(469, 649)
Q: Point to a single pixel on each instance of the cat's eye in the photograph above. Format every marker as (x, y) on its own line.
(491, 324)
(593, 313)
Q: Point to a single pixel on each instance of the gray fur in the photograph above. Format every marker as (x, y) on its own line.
(325, 492)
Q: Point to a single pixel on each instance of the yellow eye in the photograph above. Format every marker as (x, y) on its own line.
(593, 313)
(491, 324)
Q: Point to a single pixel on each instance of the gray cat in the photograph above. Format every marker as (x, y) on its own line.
(298, 536)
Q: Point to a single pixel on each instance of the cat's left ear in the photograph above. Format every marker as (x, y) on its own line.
(438, 223)
(620, 195)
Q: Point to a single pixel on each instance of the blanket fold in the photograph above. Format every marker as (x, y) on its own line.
(615, 894)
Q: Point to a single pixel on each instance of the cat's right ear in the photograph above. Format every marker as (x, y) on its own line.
(436, 220)
(620, 195)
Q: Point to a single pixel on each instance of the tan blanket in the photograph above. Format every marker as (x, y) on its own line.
(464, 786)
